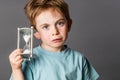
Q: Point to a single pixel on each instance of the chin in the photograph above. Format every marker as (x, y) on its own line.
(57, 45)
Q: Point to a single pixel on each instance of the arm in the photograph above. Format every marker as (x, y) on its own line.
(16, 64)
(17, 75)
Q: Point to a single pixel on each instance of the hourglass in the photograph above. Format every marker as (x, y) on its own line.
(26, 42)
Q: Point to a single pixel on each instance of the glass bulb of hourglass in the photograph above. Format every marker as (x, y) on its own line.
(26, 38)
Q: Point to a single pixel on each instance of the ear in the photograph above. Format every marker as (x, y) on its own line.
(69, 24)
(37, 35)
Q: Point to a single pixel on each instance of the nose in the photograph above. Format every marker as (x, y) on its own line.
(55, 31)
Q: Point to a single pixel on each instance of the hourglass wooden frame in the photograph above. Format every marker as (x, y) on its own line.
(25, 31)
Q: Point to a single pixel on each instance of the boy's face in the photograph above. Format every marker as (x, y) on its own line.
(52, 29)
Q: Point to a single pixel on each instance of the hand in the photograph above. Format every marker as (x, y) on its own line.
(16, 59)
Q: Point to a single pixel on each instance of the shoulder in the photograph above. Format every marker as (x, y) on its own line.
(80, 57)
(36, 50)
(75, 53)
(81, 62)
(76, 56)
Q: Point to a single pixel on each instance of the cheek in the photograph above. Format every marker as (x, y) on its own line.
(44, 36)
(64, 32)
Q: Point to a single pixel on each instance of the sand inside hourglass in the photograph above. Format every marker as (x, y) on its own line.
(26, 38)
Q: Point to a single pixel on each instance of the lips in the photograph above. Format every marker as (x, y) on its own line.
(57, 40)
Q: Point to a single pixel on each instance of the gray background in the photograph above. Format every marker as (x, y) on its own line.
(95, 32)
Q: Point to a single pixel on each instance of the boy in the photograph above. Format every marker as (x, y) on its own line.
(53, 60)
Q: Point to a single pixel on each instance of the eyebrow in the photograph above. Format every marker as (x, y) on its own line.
(55, 22)
(61, 19)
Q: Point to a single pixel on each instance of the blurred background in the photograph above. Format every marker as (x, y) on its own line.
(95, 32)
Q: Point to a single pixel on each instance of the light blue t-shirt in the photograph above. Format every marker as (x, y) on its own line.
(66, 65)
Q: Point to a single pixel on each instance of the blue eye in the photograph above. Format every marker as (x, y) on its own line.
(61, 23)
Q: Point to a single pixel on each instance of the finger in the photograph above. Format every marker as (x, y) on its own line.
(17, 52)
(19, 57)
(14, 54)
(20, 61)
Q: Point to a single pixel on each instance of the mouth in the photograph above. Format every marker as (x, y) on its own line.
(57, 40)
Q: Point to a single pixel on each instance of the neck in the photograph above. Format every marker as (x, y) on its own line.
(53, 49)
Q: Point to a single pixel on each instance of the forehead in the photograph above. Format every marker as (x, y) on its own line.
(50, 9)
(48, 14)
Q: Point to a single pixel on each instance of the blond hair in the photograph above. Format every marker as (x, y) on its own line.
(34, 7)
